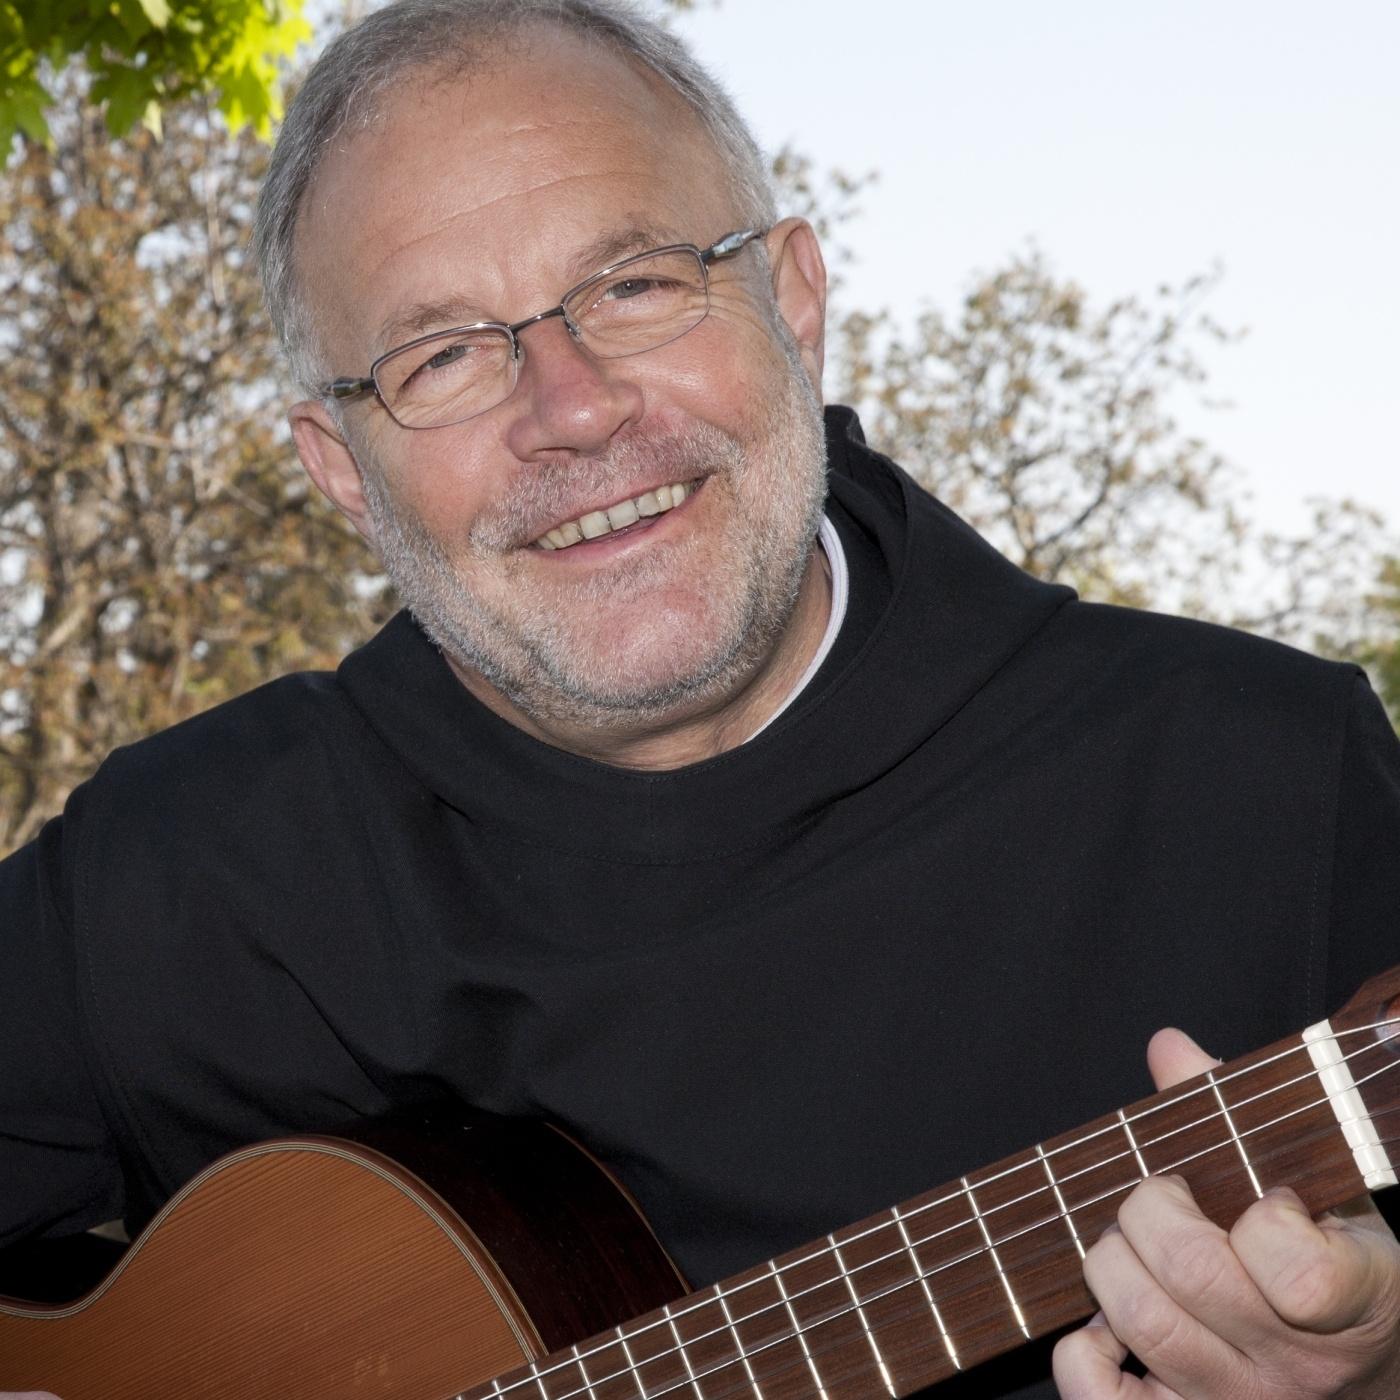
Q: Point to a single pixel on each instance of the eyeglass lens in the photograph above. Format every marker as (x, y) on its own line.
(640, 305)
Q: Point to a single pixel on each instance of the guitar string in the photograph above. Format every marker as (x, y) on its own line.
(919, 1311)
(1055, 1218)
(633, 1372)
(953, 1196)
(1113, 1126)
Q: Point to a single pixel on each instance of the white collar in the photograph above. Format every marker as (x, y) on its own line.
(830, 543)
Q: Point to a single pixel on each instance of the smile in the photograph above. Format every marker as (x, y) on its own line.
(616, 517)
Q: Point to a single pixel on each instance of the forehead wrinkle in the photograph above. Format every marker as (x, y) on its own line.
(457, 308)
(447, 220)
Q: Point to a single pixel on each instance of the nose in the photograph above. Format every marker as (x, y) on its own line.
(565, 399)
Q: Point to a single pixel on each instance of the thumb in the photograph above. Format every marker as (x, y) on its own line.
(1173, 1056)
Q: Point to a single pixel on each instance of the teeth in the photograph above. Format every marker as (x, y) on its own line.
(623, 513)
(602, 522)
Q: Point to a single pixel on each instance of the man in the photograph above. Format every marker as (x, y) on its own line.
(781, 841)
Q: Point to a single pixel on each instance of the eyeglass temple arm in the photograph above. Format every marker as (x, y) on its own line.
(728, 246)
(348, 388)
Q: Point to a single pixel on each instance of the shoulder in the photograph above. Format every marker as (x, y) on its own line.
(1188, 660)
(288, 727)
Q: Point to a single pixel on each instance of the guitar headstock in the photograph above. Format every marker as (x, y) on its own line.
(1375, 1005)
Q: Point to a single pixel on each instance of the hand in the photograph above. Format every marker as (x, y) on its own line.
(1280, 1308)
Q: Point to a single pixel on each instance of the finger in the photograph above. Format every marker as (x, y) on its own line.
(1180, 1350)
(1173, 1056)
(1323, 1277)
(1191, 1259)
(1088, 1365)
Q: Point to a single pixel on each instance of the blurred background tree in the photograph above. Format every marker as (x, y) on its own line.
(144, 55)
(160, 549)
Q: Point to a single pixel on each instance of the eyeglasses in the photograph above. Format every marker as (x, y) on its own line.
(639, 304)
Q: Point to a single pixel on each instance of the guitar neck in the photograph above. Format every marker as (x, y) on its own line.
(975, 1268)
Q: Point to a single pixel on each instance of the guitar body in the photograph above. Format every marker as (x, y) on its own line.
(325, 1268)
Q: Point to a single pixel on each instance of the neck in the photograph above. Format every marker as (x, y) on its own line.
(690, 735)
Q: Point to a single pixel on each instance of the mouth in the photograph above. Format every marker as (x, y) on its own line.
(621, 515)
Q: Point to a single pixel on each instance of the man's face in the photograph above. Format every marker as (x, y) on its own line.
(485, 198)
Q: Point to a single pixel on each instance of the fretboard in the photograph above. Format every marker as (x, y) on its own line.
(936, 1284)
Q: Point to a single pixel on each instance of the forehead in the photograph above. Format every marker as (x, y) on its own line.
(493, 185)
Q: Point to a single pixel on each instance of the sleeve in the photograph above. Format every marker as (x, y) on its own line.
(60, 1170)
(1365, 922)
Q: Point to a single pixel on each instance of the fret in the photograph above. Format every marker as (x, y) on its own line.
(884, 1279)
(583, 1372)
(1132, 1144)
(743, 1356)
(996, 1261)
(1060, 1201)
(541, 1378)
(797, 1330)
(860, 1313)
(1234, 1133)
(1095, 1169)
(760, 1321)
(656, 1361)
(918, 1272)
(953, 1258)
(602, 1367)
(631, 1364)
(560, 1377)
(607, 1372)
(684, 1355)
(1282, 1111)
(834, 1348)
(714, 1354)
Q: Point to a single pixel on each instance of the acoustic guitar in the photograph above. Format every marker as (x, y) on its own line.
(495, 1260)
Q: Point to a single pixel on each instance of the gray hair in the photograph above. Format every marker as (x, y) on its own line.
(347, 83)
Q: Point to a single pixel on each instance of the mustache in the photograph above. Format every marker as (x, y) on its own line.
(546, 492)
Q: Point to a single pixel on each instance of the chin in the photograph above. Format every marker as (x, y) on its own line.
(666, 672)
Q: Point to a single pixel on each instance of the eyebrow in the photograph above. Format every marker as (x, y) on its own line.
(444, 313)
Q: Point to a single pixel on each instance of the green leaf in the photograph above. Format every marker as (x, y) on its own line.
(22, 111)
(127, 92)
(157, 11)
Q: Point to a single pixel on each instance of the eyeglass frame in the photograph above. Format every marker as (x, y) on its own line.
(347, 388)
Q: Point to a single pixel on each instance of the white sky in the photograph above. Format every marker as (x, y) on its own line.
(1135, 144)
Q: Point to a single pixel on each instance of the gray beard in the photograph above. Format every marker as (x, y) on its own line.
(542, 666)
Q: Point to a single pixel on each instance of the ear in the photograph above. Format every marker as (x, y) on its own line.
(799, 284)
(330, 463)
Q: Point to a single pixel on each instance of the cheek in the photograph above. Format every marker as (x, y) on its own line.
(439, 484)
(722, 372)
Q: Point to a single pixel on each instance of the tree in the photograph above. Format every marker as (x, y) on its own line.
(160, 550)
(144, 55)
(1044, 422)
(1381, 654)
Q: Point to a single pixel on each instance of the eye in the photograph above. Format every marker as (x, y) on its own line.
(447, 355)
(628, 287)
